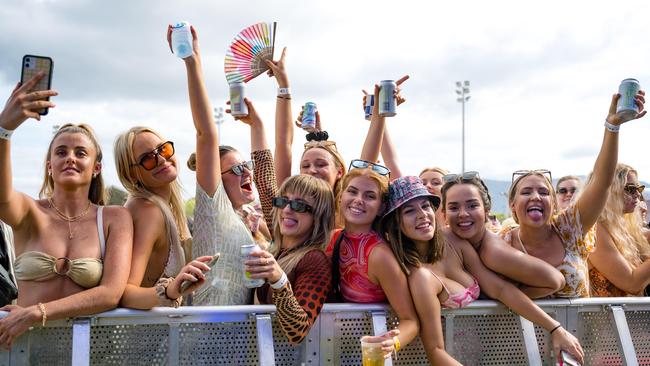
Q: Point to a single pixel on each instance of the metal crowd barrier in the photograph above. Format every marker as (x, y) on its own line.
(612, 331)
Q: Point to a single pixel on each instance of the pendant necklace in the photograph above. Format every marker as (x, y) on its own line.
(69, 219)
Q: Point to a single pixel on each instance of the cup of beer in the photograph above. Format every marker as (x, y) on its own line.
(371, 352)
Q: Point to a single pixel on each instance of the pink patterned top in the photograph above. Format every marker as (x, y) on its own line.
(354, 252)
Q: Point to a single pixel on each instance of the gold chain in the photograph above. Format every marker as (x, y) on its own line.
(69, 219)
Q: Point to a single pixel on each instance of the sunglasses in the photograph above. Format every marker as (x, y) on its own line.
(150, 160)
(324, 143)
(294, 205)
(467, 176)
(363, 164)
(632, 189)
(522, 173)
(238, 169)
(564, 191)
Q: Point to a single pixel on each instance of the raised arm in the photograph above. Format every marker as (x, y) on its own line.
(502, 290)
(389, 154)
(208, 168)
(283, 121)
(23, 103)
(594, 196)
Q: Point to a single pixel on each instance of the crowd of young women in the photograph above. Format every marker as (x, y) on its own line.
(359, 233)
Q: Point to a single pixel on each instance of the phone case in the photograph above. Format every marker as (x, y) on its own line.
(31, 66)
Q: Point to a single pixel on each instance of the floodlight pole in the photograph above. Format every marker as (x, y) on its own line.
(462, 89)
(218, 119)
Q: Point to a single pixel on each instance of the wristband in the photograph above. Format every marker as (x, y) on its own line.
(281, 282)
(554, 329)
(396, 344)
(41, 308)
(5, 134)
(284, 91)
(611, 128)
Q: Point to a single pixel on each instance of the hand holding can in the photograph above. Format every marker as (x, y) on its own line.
(246, 251)
(238, 106)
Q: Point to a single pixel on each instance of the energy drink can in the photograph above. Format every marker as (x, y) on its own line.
(309, 116)
(246, 250)
(387, 102)
(626, 107)
(238, 107)
(370, 102)
(182, 39)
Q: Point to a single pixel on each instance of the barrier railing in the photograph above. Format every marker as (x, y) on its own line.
(612, 331)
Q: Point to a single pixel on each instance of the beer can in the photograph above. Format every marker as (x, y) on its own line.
(370, 102)
(246, 250)
(238, 107)
(626, 107)
(387, 102)
(309, 116)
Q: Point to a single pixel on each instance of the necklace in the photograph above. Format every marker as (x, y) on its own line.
(69, 219)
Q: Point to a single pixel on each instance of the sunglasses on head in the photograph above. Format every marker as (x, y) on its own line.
(522, 173)
(634, 188)
(363, 164)
(238, 169)
(150, 160)
(563, 190)
(324, 143)
(294, 205)
(467, 176)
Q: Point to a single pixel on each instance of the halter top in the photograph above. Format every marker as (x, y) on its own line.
(85, 272)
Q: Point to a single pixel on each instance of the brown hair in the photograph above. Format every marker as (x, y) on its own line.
(323, 213)
(223, 150)
(476, 182)
(96, 193)
(565, 178)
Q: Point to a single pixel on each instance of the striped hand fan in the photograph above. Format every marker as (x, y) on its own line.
(247, 52)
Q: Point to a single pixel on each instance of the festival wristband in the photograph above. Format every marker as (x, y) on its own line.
(5, 134)
(611, 128)
(284, 91)
(281, 282)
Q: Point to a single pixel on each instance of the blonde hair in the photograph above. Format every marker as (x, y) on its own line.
(434, 169)
(174, 209)
(625, 229)
(382, 184)
(336, 157)
(323, 215)
(96, 192)
(512, 194)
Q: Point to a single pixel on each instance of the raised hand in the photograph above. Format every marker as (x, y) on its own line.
(615, 119)
(277, 69)
(251, 118)
(195, 43)
(298, 121)
(24, 103)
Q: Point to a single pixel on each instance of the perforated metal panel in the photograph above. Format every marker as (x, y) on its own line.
(598, 339)
(50, 346)
(285, 352)
(349, 328)
(545, 346)
(489, 340)
(129, 345)
(639, 323)
(413, 353)
(233, 343)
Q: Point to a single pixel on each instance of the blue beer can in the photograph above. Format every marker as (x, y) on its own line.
(309, 116)
(387, 102)
(626, 107)
(370, 102)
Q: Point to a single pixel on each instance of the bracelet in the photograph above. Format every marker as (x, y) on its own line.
(284, 91)
(5, 134)
(281, 282)
(41, 308)
(554, 329)
(286, 97)
(611, 128)
(161, 291)
(397, 345)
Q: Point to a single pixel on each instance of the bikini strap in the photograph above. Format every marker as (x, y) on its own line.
(100, 230)
(457, 255)
(441, 281)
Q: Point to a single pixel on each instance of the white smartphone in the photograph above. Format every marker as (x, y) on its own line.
(568, 359)
(211, 263)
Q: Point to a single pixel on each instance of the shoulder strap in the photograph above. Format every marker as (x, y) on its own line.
(441, 281)
(336, 272)
(100, 230)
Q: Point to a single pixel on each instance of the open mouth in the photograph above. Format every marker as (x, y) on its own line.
(356, 210)
(535, 212)
(247, 186)
(423, 226)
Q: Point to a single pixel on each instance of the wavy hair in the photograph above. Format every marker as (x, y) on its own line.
(625, 229)
(323, 214)
(512, 194)
(96, 193)
(174, 209)
(477, 182)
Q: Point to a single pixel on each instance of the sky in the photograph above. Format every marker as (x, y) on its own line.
(541, 76)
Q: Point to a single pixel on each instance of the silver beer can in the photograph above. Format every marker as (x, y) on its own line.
(626, 107)
(370, 102)
(238, 106)
(309, 116)
(245, 252)
(387, 102)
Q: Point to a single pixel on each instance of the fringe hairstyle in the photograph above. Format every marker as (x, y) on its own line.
(625, 229)
(174, 209)
(321, 193)
(96, 193)
(404, 248)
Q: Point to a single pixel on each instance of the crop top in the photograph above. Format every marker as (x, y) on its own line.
(85, 272)
(462, 298)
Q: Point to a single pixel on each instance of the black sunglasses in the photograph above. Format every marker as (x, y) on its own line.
(563, 190)
(522, 173)
(631, 189)
(294, 205)
(150, 160)
(238, 169)
(363, 164)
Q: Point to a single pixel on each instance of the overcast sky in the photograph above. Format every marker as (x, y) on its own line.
(542, 75)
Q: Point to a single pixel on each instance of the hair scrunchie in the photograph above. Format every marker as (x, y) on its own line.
(317, 136)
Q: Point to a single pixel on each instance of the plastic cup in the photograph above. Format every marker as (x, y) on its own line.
(371, 352)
